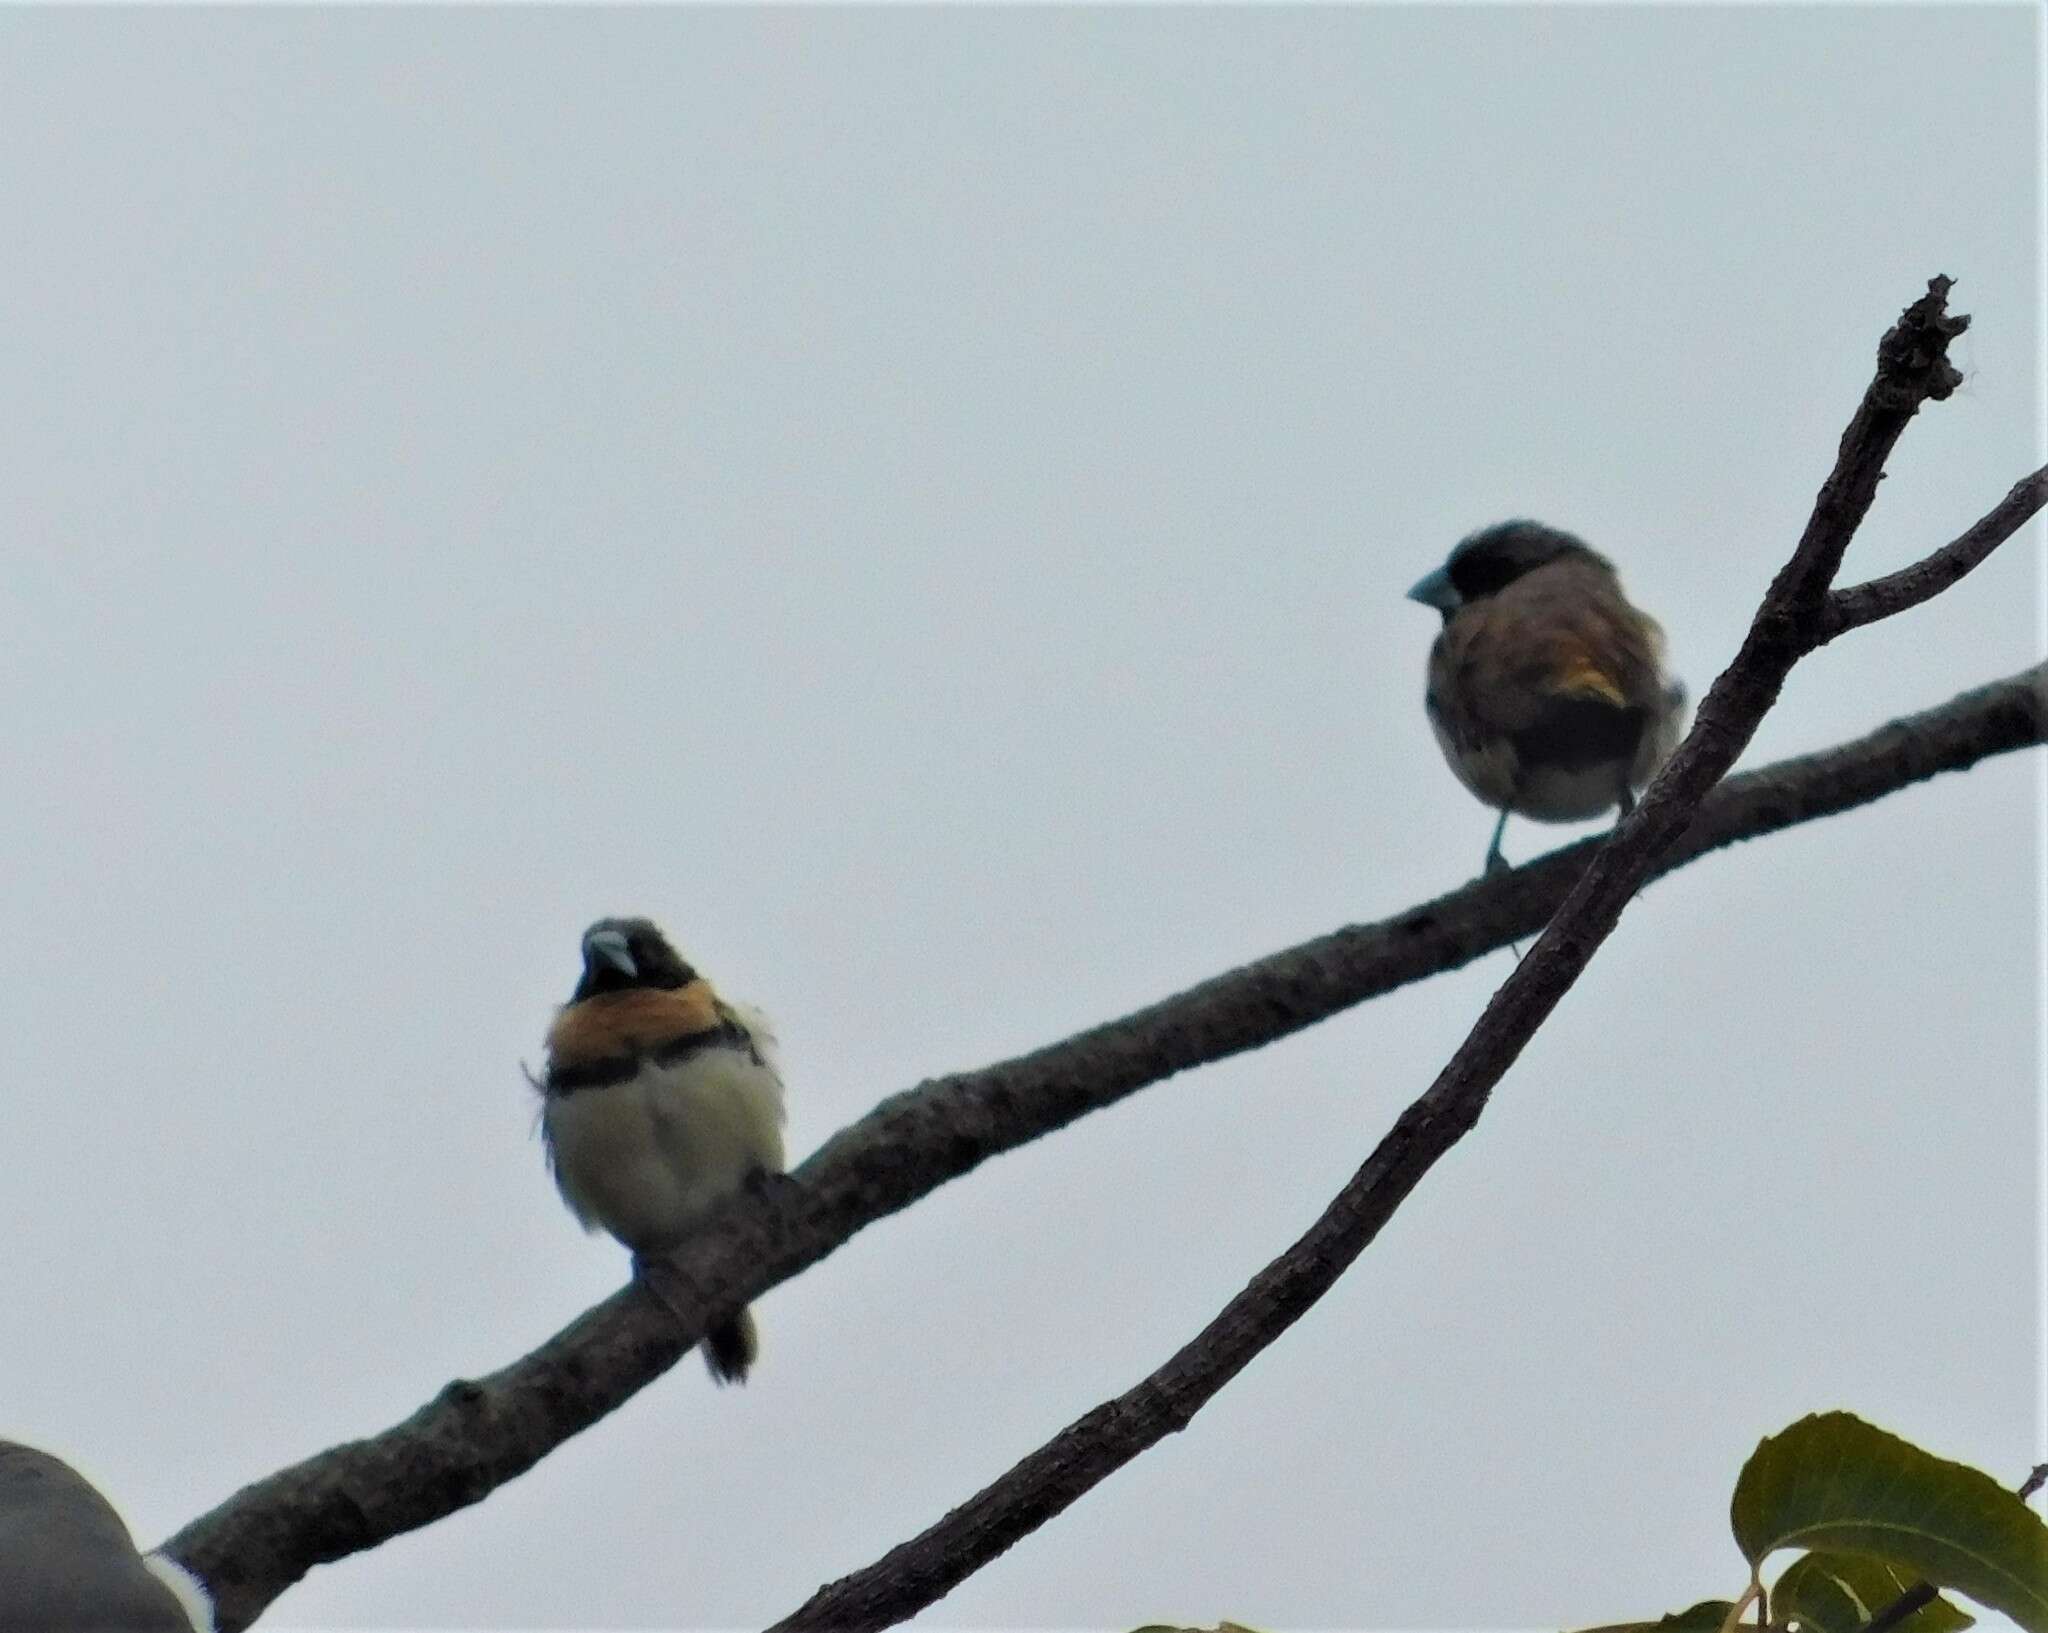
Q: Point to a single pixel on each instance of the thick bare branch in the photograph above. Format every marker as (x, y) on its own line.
(1866, 603)
(1912, 366)
(475, 1435)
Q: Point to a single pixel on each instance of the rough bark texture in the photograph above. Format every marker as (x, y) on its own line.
(475, 1435)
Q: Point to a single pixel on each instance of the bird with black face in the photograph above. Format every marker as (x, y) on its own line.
(659, 1098)
(1547, 688)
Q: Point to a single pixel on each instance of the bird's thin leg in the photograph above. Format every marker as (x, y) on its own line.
(1626, 803)
(640, 1275)
(1495, 862)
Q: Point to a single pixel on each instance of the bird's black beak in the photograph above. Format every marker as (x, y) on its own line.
(608, 947)
(1436, 590)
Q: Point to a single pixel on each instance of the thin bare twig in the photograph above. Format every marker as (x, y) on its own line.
(475, 1435)
(1918, 1597)
(1866, 603)
(1912, 367)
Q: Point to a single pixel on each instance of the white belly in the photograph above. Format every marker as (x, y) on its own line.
(1552, 795)
(643, 1158)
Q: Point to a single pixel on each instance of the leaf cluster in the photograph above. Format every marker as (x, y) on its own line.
(1881, 1528)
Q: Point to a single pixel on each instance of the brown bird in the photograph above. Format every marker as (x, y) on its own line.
(1547, 689)
(659, 1098)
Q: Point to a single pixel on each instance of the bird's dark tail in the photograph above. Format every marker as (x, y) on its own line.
(731, 1347)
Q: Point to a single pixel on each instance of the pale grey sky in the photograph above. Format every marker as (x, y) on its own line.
(918, 502)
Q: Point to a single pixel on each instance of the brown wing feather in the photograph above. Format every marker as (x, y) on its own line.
(1562, 632)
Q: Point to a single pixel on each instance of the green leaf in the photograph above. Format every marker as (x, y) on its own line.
(1838, 1593)
(1221, 1627)
(1836, 1483)
(1704, 1617)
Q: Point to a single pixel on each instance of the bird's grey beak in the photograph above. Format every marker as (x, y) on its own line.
(1437, 590)
(609, 947)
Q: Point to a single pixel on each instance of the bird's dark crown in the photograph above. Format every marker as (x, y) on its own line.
(620, 954)
(1493, 558)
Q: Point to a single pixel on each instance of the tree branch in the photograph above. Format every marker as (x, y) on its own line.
(1912, 366)
(1866, 603)
(475, 1435)
(1916, 1598)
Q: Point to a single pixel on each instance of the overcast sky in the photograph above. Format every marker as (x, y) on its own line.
(919, 502)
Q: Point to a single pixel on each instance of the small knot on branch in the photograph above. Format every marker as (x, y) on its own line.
(1912, 359)
(463, 1394)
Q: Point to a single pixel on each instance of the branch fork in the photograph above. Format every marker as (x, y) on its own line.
(477, 1434)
